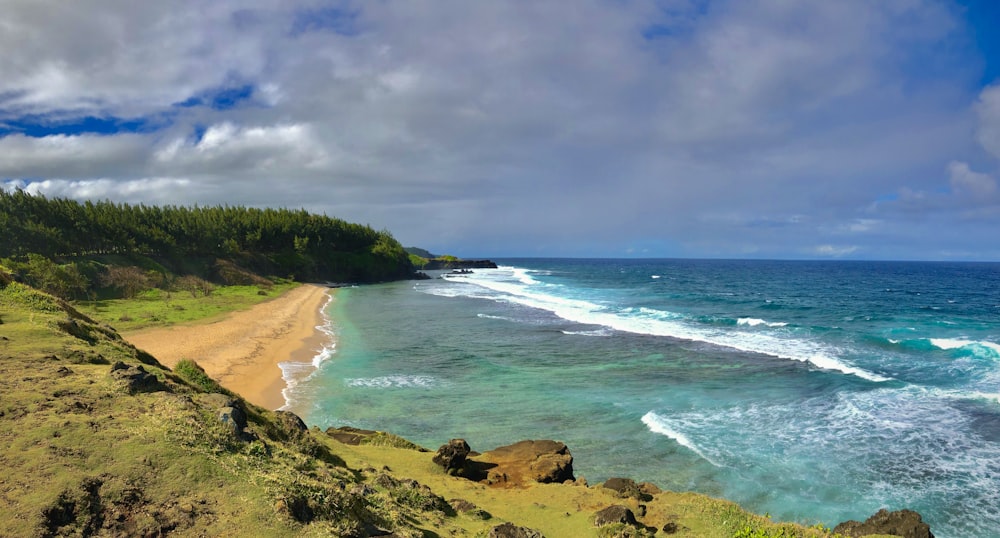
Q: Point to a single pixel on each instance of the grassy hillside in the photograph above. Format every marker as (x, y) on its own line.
(98, 439)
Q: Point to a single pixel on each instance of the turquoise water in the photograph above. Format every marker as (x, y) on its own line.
(815, 391)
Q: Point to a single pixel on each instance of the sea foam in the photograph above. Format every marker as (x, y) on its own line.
(505, 280)
(660, 425)
(753, 322)
(294, 373)
(987, 348)
(392, 382)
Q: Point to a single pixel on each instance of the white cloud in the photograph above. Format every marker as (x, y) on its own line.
(273, 148)
(135, 190)
(835, 251)
(562, 122)
(988, 110)
(64, 155)
(967, 182)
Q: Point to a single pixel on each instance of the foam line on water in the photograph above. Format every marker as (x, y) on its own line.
(293, 373)
(972, 345)
(660, 323)
(754, 322)
(392, 381)
(660, 425)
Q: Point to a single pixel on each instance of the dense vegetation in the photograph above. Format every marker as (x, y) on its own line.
(69, 248)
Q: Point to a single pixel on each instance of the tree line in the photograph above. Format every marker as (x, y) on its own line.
(74, 243)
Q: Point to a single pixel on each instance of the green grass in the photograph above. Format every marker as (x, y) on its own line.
(157, 308)
(84, 457)
(195, 375)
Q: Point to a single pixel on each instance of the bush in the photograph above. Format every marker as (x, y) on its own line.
(196, 376)
(195, 285)
(129, 279)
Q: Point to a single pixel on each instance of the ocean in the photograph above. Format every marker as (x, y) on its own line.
(814, 391)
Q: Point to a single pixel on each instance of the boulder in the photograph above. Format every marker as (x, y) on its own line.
(529, 461)
(627, 488)
(510, 530)
(905, 523)
(135, 378)
(465, 507)
(452, 455)
(615, 513)
(289, 425)
(234, 418)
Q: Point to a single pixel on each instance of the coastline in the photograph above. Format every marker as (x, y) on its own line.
(243, 350)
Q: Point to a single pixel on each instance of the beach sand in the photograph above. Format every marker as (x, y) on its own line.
(242, 349)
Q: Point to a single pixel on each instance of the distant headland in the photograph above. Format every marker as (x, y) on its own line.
(424, 260)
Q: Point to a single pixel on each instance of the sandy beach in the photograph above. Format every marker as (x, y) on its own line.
(243, 349)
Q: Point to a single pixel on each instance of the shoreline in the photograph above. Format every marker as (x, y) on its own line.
(243, 349)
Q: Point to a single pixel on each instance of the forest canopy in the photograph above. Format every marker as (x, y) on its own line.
(73, 243)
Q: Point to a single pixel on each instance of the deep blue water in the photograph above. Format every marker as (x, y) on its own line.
(815, 391)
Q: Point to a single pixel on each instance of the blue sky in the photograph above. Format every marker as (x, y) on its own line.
(691, 128)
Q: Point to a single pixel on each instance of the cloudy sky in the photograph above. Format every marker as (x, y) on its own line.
(688, 128)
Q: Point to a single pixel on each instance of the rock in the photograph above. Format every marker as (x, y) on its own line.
(627, 488)
(218, 400)
(363, 490)
(348, 435)
(905, 523)
(469, 509)
(529, 461)
(461, 505)
(135, 378)
(452, 455)
(615, 513)
(510, 530)
(444, 264)
(234, 418)
(289, 425)
(649, 488)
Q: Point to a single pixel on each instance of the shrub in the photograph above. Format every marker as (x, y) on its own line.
(195, 285)
(129, 279)
(196, 376)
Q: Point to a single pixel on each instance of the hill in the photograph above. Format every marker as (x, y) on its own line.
(85, 250)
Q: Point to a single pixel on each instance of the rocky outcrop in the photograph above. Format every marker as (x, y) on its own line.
(289, 425)
(510, 530)
(444, 264)
(465, 507)
(349, 435)
(354, 436)
(135, 379)
(452, 455)
(905, 523)
(615, 513)
(627, 488)
(528, 461)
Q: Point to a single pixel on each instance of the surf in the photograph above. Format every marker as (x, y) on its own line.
(513, 284)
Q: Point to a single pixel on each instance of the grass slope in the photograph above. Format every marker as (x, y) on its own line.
(85, 453)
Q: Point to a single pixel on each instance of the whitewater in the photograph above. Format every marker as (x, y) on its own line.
(814, 391)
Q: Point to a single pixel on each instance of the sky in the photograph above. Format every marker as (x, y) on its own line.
(787, 129)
